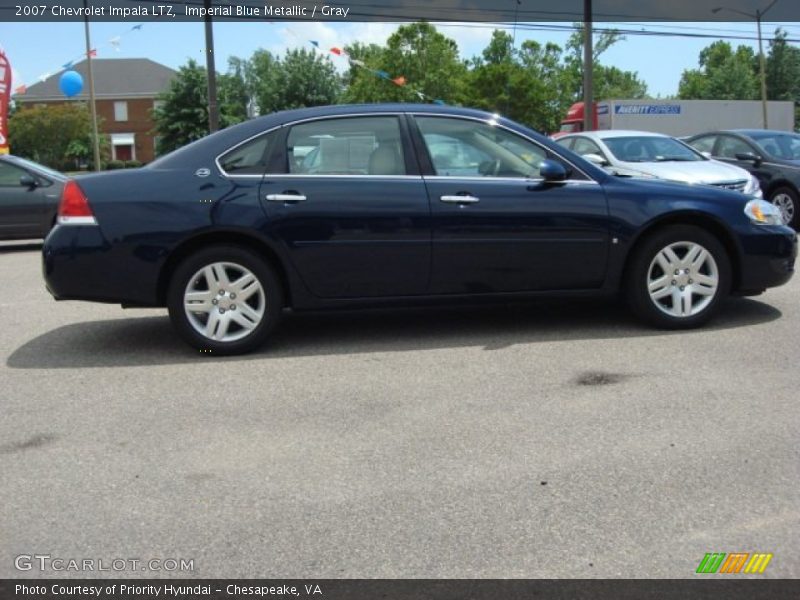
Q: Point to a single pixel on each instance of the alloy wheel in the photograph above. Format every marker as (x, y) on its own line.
(683, 279)
(224, 301)
(785, 204)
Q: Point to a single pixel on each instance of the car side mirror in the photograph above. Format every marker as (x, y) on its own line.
(706, 153)
(551, 170)
(28, 181)
(749, 156)
(595, 159)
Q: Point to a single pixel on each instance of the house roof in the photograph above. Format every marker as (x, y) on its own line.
(113, 78)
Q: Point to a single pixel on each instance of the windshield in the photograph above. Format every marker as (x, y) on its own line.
(650, 149)
(779, 145)
(571, 127)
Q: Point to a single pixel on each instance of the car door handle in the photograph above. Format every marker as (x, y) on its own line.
(460, 199)
(286, 197)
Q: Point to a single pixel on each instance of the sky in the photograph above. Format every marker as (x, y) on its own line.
(35, 49)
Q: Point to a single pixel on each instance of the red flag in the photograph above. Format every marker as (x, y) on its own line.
(337, 51)
(5, 96)
(21, 89)
(399, 80)
(93, 52)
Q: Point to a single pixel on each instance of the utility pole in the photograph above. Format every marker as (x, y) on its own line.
(213, 109)
(761, 60)
(763, 67)
(92, 107)
(588, 65)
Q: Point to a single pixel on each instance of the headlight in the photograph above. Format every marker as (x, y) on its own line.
(763, 213)
(753, 188)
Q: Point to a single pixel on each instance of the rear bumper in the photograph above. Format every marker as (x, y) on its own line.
(78, 263)
(768, 258)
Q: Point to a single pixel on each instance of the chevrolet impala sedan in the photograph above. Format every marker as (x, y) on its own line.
(371, 205)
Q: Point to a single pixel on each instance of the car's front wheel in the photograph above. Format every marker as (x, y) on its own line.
(677, 277)
(785, 199)
(224, 300)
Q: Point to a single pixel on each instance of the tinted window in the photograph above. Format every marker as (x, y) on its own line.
(729, 147)
(250, 158)
(9, 175)
(650, 149)
(460, 147)
(780, 145)
(704, 144)
(347, 146)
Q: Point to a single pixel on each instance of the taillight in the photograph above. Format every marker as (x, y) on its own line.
(74, 208)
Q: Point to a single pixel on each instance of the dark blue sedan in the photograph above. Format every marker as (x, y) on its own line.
(370, 205)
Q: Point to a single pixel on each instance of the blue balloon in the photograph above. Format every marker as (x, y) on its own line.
(71, 83)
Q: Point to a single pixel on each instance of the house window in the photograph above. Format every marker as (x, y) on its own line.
(120, 111)
(123, 146)
(157, 104)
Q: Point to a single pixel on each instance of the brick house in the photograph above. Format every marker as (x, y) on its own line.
(126, 91)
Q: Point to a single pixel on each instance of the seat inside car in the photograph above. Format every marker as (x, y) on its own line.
(386, 160)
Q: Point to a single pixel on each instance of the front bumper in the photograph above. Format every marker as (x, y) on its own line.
(768, 258)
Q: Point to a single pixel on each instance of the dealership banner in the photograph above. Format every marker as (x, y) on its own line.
(400, 589)
(393, 10)
(5, 97)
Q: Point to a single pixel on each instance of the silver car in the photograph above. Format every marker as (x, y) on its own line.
(654, 155)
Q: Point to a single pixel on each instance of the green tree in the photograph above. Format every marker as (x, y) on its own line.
(183, 115)
(301, 78)
(724, 74)
(57, 135)
(536, 84)
(233, 93)
(427, 60)
(783, 71)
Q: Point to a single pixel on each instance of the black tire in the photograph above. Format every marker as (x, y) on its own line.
(638, 275)
(789, 200)
(269, 300)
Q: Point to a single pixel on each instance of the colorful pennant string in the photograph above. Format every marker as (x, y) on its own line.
(114, 43)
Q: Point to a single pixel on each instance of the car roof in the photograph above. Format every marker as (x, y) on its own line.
(747, 132)
(608, 134)
(27, 163)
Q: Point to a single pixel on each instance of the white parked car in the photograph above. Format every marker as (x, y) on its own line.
(654, 155)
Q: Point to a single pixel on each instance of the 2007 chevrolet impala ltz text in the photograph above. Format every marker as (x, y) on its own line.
(370, 205)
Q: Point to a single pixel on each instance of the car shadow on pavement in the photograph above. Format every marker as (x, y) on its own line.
(152, 340)
(24, 246)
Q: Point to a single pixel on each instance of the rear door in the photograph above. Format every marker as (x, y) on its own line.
(351, 207)
(497, 226)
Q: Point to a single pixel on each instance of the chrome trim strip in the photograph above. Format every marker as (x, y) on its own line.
(509, 179)
(286, 197)
(222, 171)
(322, 176)
(459, 199)
(76, 220)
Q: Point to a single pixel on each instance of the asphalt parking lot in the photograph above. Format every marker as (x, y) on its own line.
(550, 439)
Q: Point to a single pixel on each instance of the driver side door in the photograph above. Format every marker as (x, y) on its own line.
(21, 207)
(497, 225)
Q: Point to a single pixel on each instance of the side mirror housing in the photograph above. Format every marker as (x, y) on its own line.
(596, 159)
(551, 170)
(749, 156)
(28, 181)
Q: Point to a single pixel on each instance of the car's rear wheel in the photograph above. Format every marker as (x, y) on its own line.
(677, 277)
(224, 300)
(785, 199)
